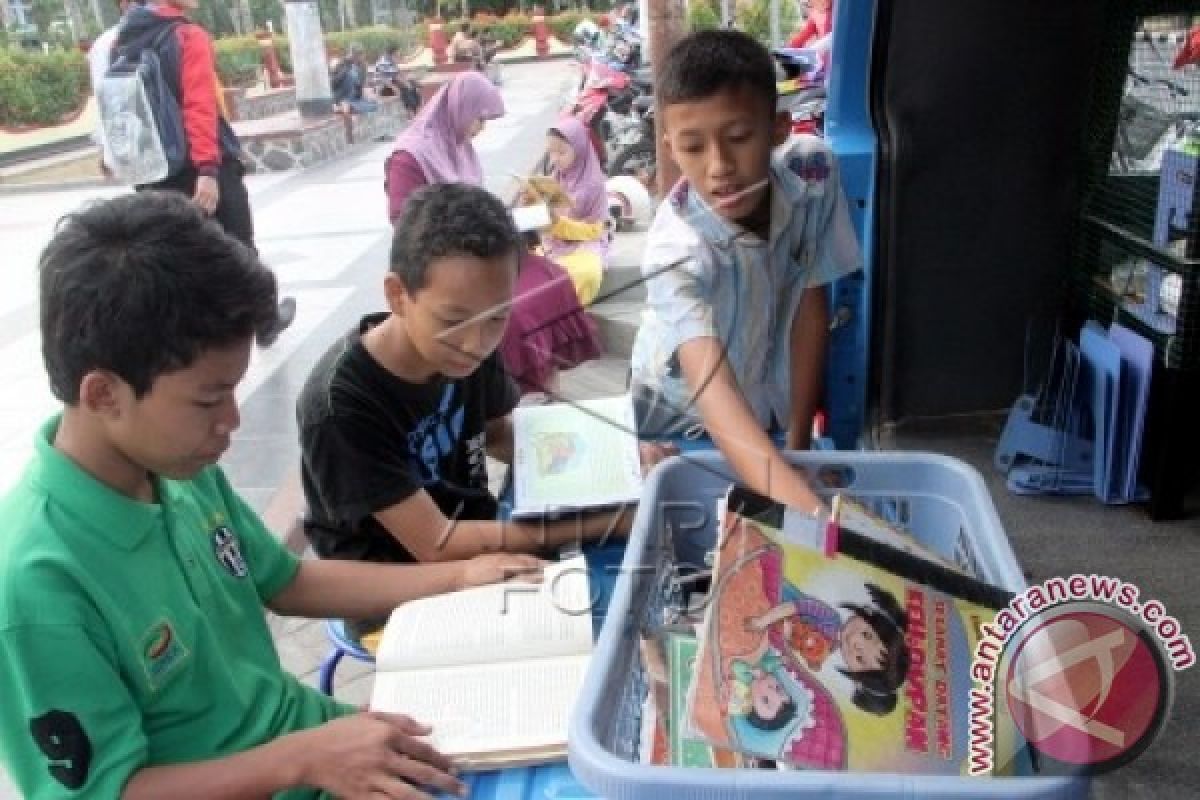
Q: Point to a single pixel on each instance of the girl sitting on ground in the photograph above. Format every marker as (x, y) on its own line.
(579, 237)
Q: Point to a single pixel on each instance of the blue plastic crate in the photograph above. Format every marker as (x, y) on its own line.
(940, 499)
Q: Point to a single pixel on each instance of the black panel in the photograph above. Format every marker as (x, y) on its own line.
(982, 109)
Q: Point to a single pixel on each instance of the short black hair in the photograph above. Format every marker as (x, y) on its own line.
(704, 63)
(449, 219)
(143, 285)
(785, 714)
(877, 688)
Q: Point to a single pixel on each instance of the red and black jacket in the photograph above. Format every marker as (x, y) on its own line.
(189, 67)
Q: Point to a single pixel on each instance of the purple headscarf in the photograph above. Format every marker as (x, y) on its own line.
(437, 136)
(584, 179)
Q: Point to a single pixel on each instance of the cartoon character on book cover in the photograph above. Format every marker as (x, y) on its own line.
(823, 661)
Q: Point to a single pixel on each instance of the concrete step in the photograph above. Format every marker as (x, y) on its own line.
(621, 285)
(618, 324)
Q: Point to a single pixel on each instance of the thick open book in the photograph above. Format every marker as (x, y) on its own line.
(572, 456)
(495, 670)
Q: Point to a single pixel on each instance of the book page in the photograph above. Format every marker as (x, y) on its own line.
(575, 456)
(501, 622)
(531, 218)
(487, 708)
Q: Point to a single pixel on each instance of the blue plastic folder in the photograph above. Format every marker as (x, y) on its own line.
(1137, 363)
(1116, 387)
(1102, 379)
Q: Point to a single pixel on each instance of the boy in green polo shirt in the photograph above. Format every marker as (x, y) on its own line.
(134, 652)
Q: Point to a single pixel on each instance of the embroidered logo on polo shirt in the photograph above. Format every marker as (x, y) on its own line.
(229, 552)
(162, 652)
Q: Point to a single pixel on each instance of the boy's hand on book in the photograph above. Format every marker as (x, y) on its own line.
(373, 755)
(498, 567)
(654, 452)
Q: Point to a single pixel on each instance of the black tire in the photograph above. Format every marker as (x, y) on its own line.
(639, 154)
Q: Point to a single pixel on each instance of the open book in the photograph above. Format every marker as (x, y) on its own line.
(495, 670)
(829, 649)
(575, 455)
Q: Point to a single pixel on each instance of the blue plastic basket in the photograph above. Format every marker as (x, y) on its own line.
(941, 500)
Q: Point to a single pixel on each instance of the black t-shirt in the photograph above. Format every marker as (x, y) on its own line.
(370, 439)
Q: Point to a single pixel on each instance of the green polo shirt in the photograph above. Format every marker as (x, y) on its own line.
(133, 634)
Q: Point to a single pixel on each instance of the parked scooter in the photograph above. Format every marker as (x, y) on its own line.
(802, 88)
(634, 149)
(601, 82)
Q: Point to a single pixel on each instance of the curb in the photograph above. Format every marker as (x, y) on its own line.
(62, 186)
(533, 59)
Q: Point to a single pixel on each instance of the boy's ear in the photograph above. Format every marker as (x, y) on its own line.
(100, 392)
(667, 144)
(395, 293)
(781, 129)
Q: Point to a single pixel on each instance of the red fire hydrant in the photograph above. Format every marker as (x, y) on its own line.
(437, 41)
(541, 33)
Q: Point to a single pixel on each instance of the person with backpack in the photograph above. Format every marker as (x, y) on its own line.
(99, 57)
(206, 165)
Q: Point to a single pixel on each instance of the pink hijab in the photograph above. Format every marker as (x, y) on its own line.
(584, 179)
(437, 136)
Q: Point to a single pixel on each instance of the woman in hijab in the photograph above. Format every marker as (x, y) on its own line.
(436, 146)
(547, 330)
(579, 237)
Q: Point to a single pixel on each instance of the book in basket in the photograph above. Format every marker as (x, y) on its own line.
(571, 456)
(825, 648)
(495, 670)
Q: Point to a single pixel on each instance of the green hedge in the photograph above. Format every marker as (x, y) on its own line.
(375, 40)
(509, 30)
(41, 89)
(563, 25)
(703, 16)
(238, 61)
(755, 19)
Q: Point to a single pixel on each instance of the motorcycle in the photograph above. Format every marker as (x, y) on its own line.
(634, 150)
(802, 88)
(601, 83)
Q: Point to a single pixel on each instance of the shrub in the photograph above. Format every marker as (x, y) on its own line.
(755, 19)
(703, 16)
(41, 89)
(508, 30)
(563, 25)
(238, 61)
(375, 40)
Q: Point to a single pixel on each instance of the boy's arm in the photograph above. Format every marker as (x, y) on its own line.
(809, 339)
(734, 428)
(71, 726)
(370, 753)
(500, 438)
(360, 590)
(419, 525)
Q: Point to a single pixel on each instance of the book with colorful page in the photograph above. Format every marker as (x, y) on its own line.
(495, 670)
(572, 456)
(824, 648)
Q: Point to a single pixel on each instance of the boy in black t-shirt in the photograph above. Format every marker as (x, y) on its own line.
(398, 417)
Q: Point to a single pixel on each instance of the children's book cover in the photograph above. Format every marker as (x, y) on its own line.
(818, 659)
(685, 750)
